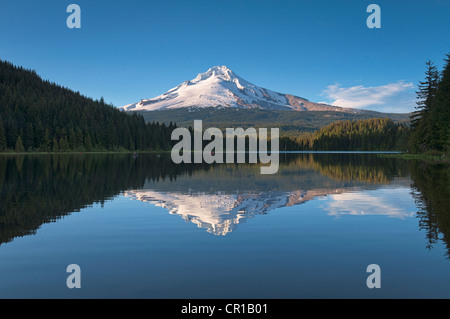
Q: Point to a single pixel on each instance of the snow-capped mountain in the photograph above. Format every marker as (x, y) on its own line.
(221, 87)
(220, 213)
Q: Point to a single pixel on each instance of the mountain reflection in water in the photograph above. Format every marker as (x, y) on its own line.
(40, 189)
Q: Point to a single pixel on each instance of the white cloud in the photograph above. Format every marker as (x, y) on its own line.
(392, 97)
(389, 202)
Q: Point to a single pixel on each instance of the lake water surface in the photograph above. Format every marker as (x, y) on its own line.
(147, 228)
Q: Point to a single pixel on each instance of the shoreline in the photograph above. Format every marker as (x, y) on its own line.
(426, 157)
(81, 152)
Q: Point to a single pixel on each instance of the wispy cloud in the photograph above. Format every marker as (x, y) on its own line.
(389, 202)
(392, 97)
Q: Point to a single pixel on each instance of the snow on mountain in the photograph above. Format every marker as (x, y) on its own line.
(221, 212)
(221, 87)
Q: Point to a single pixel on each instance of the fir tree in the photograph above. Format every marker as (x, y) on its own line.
(55, 145)
(426, 93)
(440, 112)
(46, 141)
(19, 145)
(420, 119)
(2, 137)
(431, 131)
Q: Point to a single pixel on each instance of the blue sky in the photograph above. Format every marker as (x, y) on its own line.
(321, 50)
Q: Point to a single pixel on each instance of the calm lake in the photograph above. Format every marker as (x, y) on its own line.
(147, 228)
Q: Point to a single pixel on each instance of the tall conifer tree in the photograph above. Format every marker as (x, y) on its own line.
(440, 112)
(420, 119)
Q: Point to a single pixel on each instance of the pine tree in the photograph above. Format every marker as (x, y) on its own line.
(88, 142)
(63, 144)
(421, 124)
(2, 137)
(426, 93)
(71, 139)
(19, 145)
(28, 136)
(46, 141)
(440, 112)
(55, 145)
(79, 139)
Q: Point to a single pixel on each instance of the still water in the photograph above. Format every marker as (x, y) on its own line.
(146, 228)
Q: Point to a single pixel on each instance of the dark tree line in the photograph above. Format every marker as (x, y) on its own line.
(41, 189)
(376, 134)
(37, 115)
(430, 122)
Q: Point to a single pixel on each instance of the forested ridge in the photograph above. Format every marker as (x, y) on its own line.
(38, 115)
(290, 123)
(353, 135)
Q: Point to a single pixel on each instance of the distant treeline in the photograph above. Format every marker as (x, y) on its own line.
(290, 123)
(375, 134)
(352, 135)
(37, 115)
(431, 121)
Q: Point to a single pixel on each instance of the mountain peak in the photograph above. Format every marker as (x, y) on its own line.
(220, 69)
(222, 72)
(221, 87)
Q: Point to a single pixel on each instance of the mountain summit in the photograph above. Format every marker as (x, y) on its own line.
(221, 87)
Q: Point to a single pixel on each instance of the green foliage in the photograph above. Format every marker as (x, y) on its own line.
(48, 117)
(431, 121)
(19, 145)
(2, 137)
(426, 93)
(357, 135)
